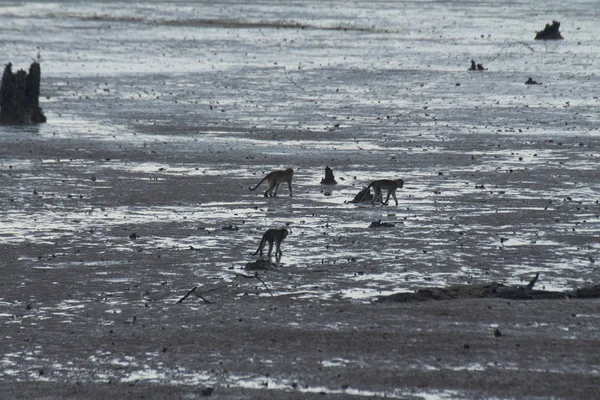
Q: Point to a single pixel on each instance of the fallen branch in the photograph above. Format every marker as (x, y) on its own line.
(187, 295)
(255, 276)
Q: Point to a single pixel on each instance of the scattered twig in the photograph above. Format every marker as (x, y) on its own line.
(290, 79)
(255, 276)
(187, 295)
(205, 300)
(528, 46)
(237, 275)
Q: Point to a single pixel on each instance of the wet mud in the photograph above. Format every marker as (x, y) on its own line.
(136, 191)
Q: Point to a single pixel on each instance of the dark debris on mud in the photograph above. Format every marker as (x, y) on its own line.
(492, 290)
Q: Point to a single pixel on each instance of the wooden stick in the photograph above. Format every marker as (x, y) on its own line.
(532, 282)
(290, 79)
(205, 300)
(187, 295)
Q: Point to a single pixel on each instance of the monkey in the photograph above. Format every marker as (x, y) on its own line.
(275, 178)
(390, 185)
(272, 235)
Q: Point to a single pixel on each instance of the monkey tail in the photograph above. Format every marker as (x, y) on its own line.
(258, 184)
(260, 246)
(365, 191)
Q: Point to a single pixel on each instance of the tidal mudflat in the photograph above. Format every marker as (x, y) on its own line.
(162, 114)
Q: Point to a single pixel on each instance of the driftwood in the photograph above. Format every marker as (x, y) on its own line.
(329, 178)
(491, 290)
(20, 96)
(550, 32)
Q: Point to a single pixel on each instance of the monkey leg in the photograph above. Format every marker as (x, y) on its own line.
(377, 196)
(387, 198)
(269, 190)
(394, 196)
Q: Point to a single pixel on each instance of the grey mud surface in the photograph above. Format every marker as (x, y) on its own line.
(158, 125)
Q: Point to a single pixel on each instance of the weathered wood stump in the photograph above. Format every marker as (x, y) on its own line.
(20, 96)
(329, 178)
(550, 32)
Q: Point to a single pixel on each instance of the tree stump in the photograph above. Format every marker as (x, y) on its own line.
(329, 178)
(20, 96)
(550, 32)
